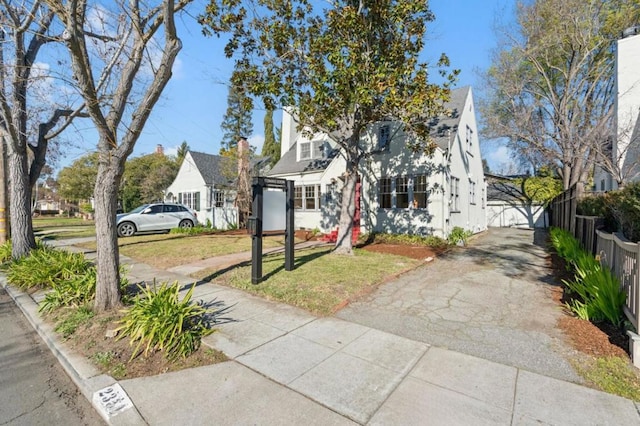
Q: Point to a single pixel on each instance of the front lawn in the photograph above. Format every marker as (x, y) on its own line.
(55, 228)
(321, 282)
(168, 250)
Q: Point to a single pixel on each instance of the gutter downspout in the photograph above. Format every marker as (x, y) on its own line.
(445, 201)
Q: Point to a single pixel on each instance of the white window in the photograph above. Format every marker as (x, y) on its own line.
(307, 197)
(469, 138)
(190, 199)
(420, 192)
(385, 193)
(384, 136)
(472, 192)
(455, 194)
(305, 150)
(218, 199)
(402, 192)
(297, 197)
(309, 150)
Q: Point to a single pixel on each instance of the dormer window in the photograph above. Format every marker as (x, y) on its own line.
(309, 150)
(384, 136)
(305, 150)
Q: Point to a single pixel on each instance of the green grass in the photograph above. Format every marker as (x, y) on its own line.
(613, 375)
(56, 228)
(68, 323)
(320, 282)
(169, 250)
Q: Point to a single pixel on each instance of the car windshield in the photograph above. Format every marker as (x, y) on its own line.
(139, 209)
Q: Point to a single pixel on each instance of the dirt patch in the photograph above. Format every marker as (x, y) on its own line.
(112, 355)
(407, 250)
(304, 235)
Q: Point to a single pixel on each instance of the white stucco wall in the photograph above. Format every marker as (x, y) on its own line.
(501, 214)
(466, 165)
(626, 146)
(397, 161)
(189, 179)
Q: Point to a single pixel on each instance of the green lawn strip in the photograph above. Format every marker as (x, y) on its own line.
(612, 374)
(320, 282)
(169, 250)
(44, 223)
(66, 233)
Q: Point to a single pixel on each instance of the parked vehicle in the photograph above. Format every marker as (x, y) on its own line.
(155, 217)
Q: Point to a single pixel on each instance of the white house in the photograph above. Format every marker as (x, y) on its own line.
(626, 143)
(201, 185)
(400, 191)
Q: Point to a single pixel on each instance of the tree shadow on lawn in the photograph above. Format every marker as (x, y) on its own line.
(298, 261)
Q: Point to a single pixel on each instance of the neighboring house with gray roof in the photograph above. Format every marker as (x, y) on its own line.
(400, 191)
(201, 185)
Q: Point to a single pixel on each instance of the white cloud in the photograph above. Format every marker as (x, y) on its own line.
(500, 155)
(172, 150)
(257, 141)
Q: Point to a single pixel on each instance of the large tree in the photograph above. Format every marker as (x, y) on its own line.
(31, 112)
(271, 147)
(343, 66)
(76, 181)
(237, 118)
(145, 179)
(550, 89)
(121, 61)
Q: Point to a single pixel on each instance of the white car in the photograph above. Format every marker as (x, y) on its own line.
(155, 217)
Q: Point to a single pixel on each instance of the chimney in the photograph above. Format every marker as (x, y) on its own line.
(243, 154)
(159, 149)
(289, 131)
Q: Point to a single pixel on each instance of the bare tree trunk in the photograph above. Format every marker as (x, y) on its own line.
(348, 209)
(108, 256)
(22, 236)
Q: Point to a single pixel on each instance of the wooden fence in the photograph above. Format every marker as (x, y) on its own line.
(619, 254)
(563, 210)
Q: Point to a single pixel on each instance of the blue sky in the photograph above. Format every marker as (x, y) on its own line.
(195, 100)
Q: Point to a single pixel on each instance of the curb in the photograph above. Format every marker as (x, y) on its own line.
(87, 378)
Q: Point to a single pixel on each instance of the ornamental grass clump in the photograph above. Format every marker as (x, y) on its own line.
(44, 267)
(159, 320)
(597, 292)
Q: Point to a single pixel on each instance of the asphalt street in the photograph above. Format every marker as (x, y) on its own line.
(34, 389)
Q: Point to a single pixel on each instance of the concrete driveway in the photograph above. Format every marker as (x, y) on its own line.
(491, 300)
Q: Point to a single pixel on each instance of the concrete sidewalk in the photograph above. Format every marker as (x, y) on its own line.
(290, 367)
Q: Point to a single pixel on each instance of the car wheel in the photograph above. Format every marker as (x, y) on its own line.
(126, 229)
(186, 223)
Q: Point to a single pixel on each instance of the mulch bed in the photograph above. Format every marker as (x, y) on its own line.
(598, 340)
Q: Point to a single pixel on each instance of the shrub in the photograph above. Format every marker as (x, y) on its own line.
(45, 266)
(429, 240)
(620, 210)
(159, 320)
(597, 291)
(625, 208)
(5, 252)
(458, 235)
(195, 230)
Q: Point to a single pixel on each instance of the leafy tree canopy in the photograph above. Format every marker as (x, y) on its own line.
(343, 66)
(76, 182)
(146, 178)
(551, 86)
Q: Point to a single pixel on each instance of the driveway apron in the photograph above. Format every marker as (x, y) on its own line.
(492, 299)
